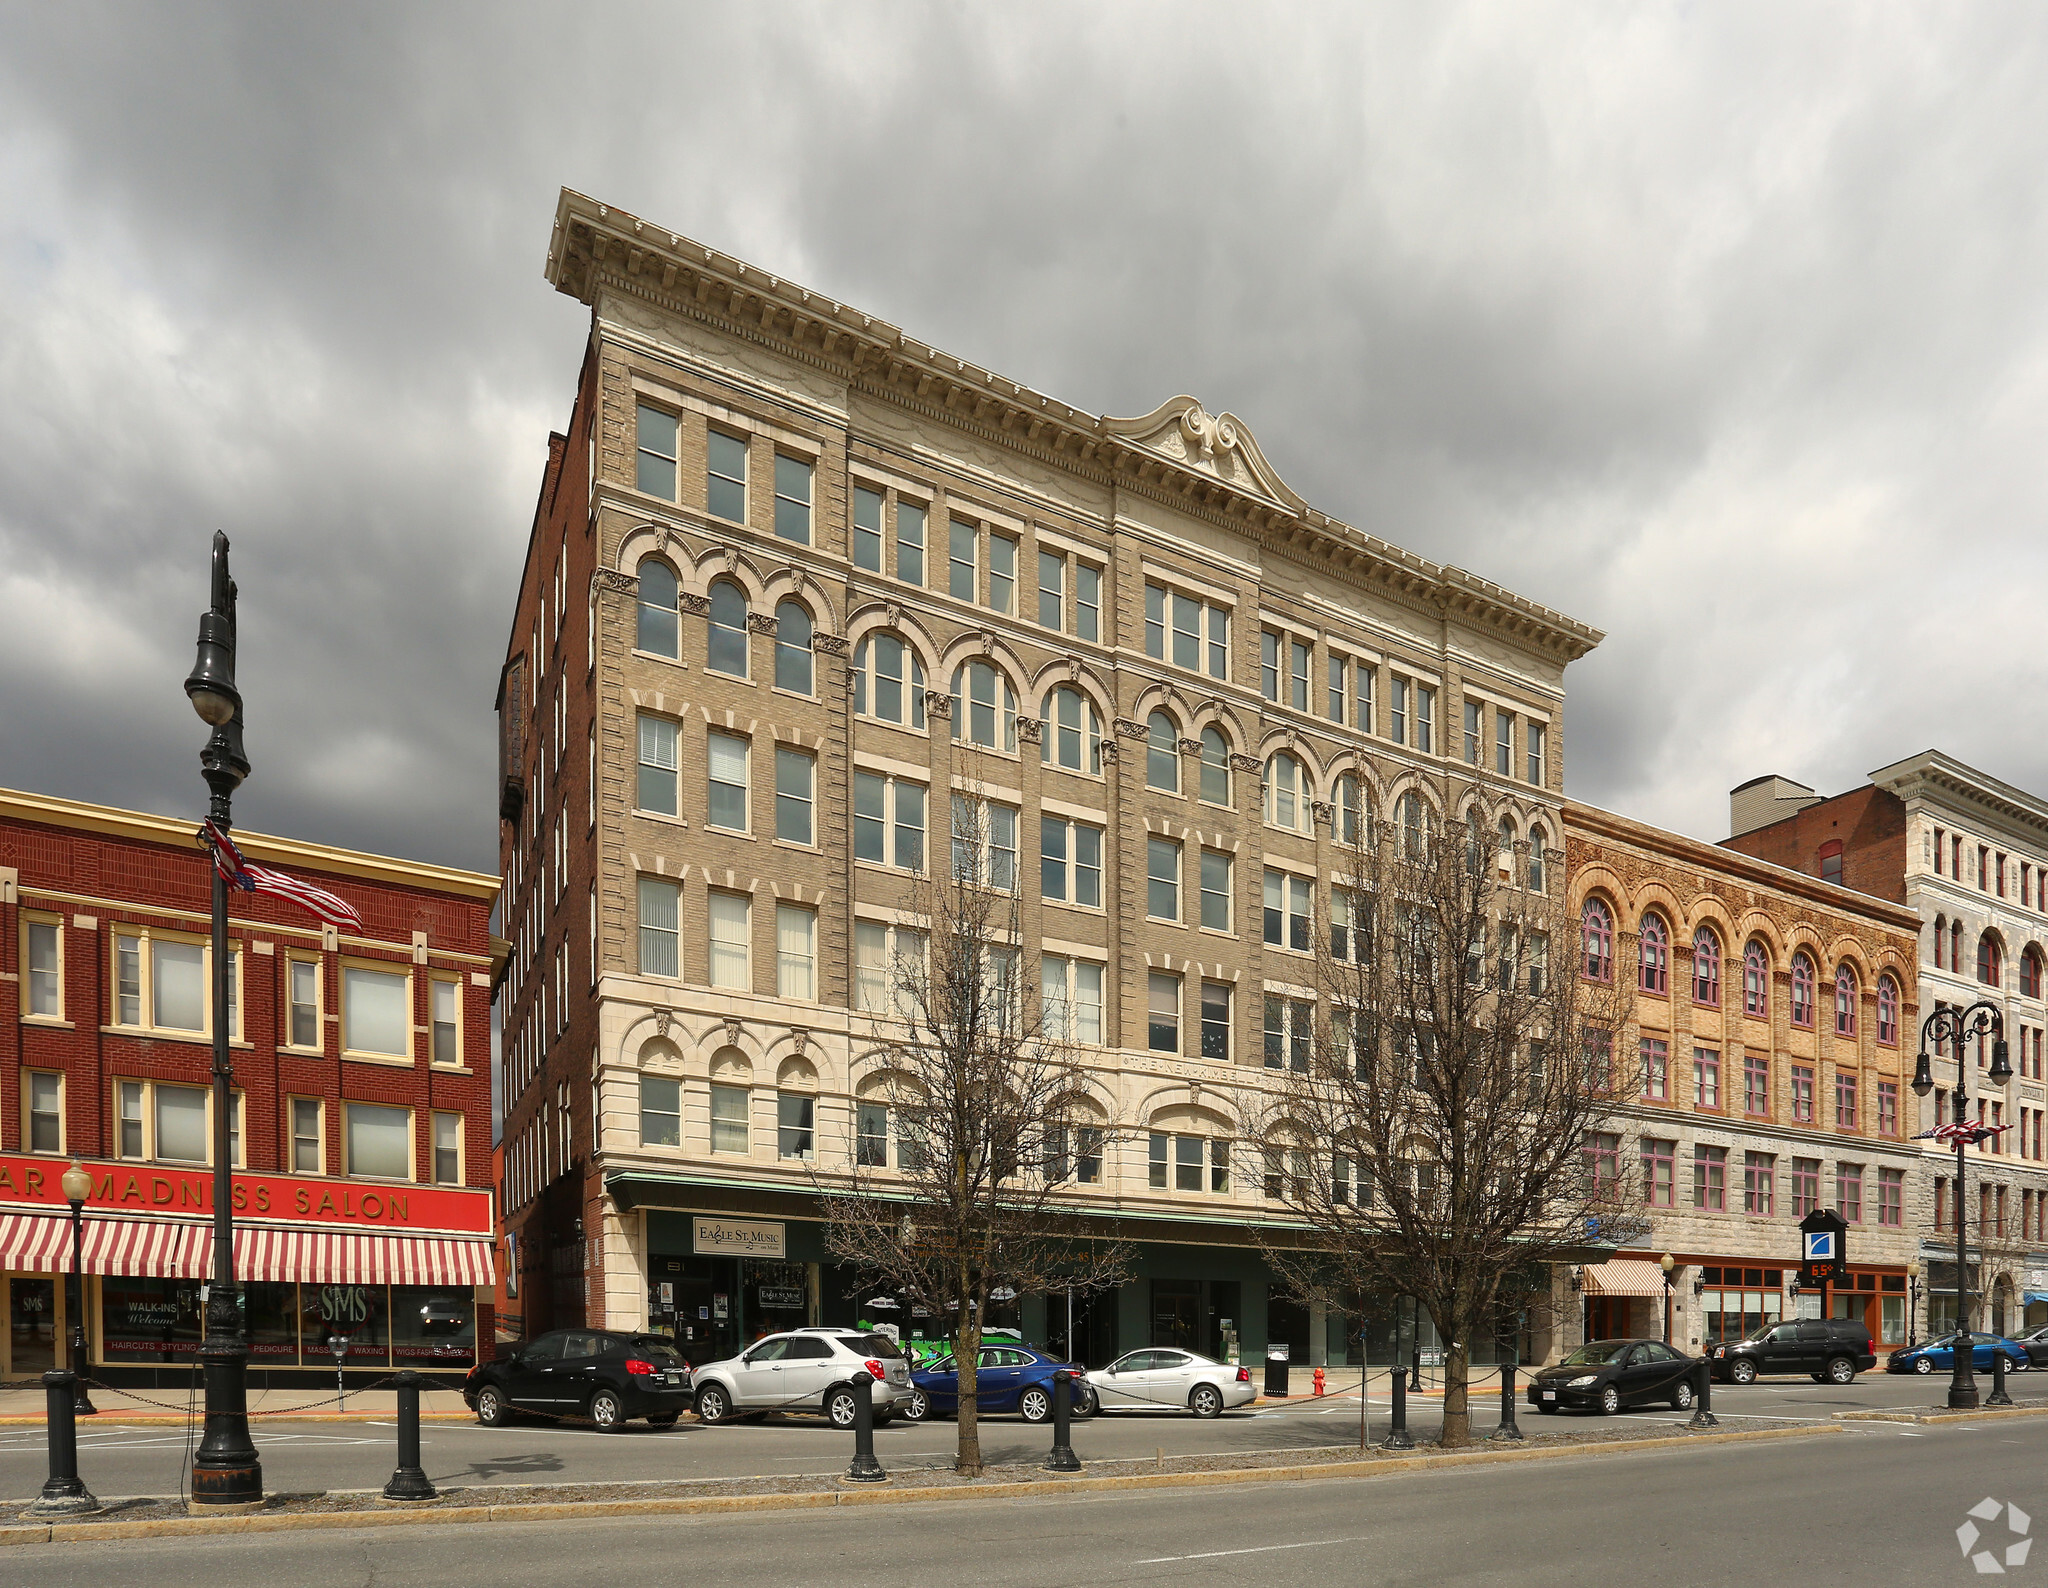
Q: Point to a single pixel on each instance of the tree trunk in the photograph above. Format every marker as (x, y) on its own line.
(1457, 1399)
(967, 1358)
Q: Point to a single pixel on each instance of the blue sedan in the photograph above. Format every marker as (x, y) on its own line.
(1009, 1378)
(1939, 1355)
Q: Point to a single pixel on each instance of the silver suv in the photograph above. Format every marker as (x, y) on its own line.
(806, 1370)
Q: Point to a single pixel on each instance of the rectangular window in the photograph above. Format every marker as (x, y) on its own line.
(1656, 1057)
(1706, 1078)
(910, 543)
(179, 996)
(1802, 1093)
(1849, 1191)
(128, 981)
(1216, 1020)
(731, 941)
(1215, 890)
(1504, 742)
(1600, 1158)
(1087, 602)
(655, 453)
(793, 499)
(1847, 1115)
(1658, 1177)
(657, 784)
(961, 550)
(794, 771)
(729, 1119)
(1425, 719)
(1297, 674)
(308, 1139)
(1174, 628)
(131, 1119)
(726, 477)
(302, 991)
(1397, 718)
(1339, 671)
(1710, 1179)
(1071, 999)
(1069, 861)
(1888, 1109)
(660, 927)
(379, 1141)
(1287, 910)
(45, 1112)
(1805, 1186)
(1052, 583)
(448, 1149)
(1533, 734)
(1891, 1196)
(45, 971)
(1474, 717)
(1289, 1031)
(871, 1149)
(1756, 1084)
(726, 767)
(376, 1012)
(1162, 879)
(867, 529)
(446, 997)
(1156, 1150)
(1269, 665)
(1002, 574)
(795, 1127)
(1759, 1184)
(1162, 1032)
(796, 952)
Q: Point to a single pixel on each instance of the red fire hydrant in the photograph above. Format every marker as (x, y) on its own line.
(1319, 1381)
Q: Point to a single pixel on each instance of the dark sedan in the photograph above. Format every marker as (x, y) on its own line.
(1010, 1378)
(592, 1374)
(1606, 1375)
(2036, 1342)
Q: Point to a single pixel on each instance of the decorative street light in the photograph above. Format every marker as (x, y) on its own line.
(225, 1471)
(77, 1187)
(1667, 1262)
(1913, 1273)
(1958, 1025)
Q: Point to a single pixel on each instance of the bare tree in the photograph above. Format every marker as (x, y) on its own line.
(1448, 1123)
(963, 1193)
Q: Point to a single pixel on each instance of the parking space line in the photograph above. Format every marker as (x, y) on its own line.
(1260, 1549)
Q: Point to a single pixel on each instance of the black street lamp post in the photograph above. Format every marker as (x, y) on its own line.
(77, 1187)
(1667, 1262)
(1982, 1018)
(226, 1473)
(1913, 1273)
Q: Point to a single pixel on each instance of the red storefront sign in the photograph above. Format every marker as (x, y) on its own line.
(151, 1189)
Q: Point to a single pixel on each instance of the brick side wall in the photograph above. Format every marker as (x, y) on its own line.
(1869, 823)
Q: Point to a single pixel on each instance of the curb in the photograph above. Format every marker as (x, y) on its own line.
(1942, 1417)
(568, 1510)
(178, 1419)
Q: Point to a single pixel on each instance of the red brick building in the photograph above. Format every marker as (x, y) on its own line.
(362, 1117)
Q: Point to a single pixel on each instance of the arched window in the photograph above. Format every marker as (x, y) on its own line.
(1756, 980)
(1507, 846)
(1653, 951)
(1706, 967)
(1215, 767)
(1831, 862)
(726, 651)
(1596, 933)
(1539, 840)
(888, 681)
(1802, 989)
(1990, 963)
(657, 630)
(1845, 1000)
(1162, 753)
(1414, 825)
(1072, 734)
(984, 707)
(1940, 942)
(1348, 809)
(2030, 973)
(1285, 805)
(1475, 844)
(1888, 1010)
(1955, 945)
(792, 648)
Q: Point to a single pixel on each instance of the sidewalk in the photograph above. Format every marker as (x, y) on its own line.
(123, 1405)
(1301, 1380)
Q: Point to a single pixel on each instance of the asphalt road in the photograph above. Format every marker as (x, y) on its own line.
(1880, 1505)
(129, 1459)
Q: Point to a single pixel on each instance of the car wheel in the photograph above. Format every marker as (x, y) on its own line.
(663, 1419)
(1743, 1372)
(2011, 1366)
(1681, 1397)
(1922, 1365)
(491, 1409)
(1206, 1401)
(1085, 1402)
(1547, 1411)
(1840, 1370)
(918, 1408)
(713, 1404)
(1610, 1401)
(839, 1407)
(604, 1410)
(1035, 1404)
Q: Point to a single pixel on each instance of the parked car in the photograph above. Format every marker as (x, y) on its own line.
(1008, 1378)
(609, 1378)
(1828, 1350)
(1161, 1379)
(2036, 1342)
(805, 1370)
(1606, 1375)
(1939, 1355)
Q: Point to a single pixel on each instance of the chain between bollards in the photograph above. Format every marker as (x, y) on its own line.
(409, 1479)
(65, 1494)
(1398, 1437)
(1998, 1397)
(1703, 1403)
(864, 1468)
(1062, 1458)
(1508, 1429)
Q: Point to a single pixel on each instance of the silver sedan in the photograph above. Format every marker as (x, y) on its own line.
(1161, 1379)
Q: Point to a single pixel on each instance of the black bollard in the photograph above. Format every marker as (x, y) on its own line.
(409, 1481)
(864, 1468)
(65, 1494)
(1703, 1403)
(1062, 1458)
(1508, 1428)
(1998, 1397)
(1398, 1437)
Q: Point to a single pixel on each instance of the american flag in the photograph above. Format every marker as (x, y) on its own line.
(1970, 1130)
(252, 878)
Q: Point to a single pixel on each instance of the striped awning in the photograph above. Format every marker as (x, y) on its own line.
(1624, 1276)
(172, 1249)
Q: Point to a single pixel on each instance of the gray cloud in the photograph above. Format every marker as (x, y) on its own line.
(1718, 327)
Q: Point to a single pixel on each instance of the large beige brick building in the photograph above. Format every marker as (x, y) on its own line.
(797, 583)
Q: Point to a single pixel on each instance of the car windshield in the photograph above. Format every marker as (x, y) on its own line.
(652, 1349)
(876, 1345)
(1597, 1353)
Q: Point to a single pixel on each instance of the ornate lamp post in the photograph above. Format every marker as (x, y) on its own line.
(77, 1187)
(226, 1473)
(1958, 1025)
(1913, 1272)
(1667, 1262)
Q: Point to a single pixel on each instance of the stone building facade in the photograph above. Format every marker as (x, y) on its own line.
(796, 584)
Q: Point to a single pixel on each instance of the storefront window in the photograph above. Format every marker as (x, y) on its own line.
(270, 1313)
(1739, 1301)
(355, 1311)
(148, 1320)
(32, 1324)
(432, 1327)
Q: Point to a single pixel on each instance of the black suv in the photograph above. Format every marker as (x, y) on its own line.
(1829, 1350)
(583, 1373)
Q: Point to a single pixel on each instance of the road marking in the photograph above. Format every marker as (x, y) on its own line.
(1262, 1549)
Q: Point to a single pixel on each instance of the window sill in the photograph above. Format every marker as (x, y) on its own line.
(48, 1023)
(657, 816)
(793, 694)
(1217, 931)
(727, 832)
(1070, 771)
(1063, 904)
(198, 1039)
(715, 672)
(656, 656)
(451, 1069)
(791, 843)
(388, 1061)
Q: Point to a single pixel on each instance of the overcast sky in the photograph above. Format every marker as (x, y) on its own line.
(1720, 327)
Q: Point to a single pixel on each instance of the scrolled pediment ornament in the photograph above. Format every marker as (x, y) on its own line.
(1207, 434)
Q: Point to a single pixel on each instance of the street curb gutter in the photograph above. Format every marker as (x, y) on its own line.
(1983, 1414)
(568, 1510)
